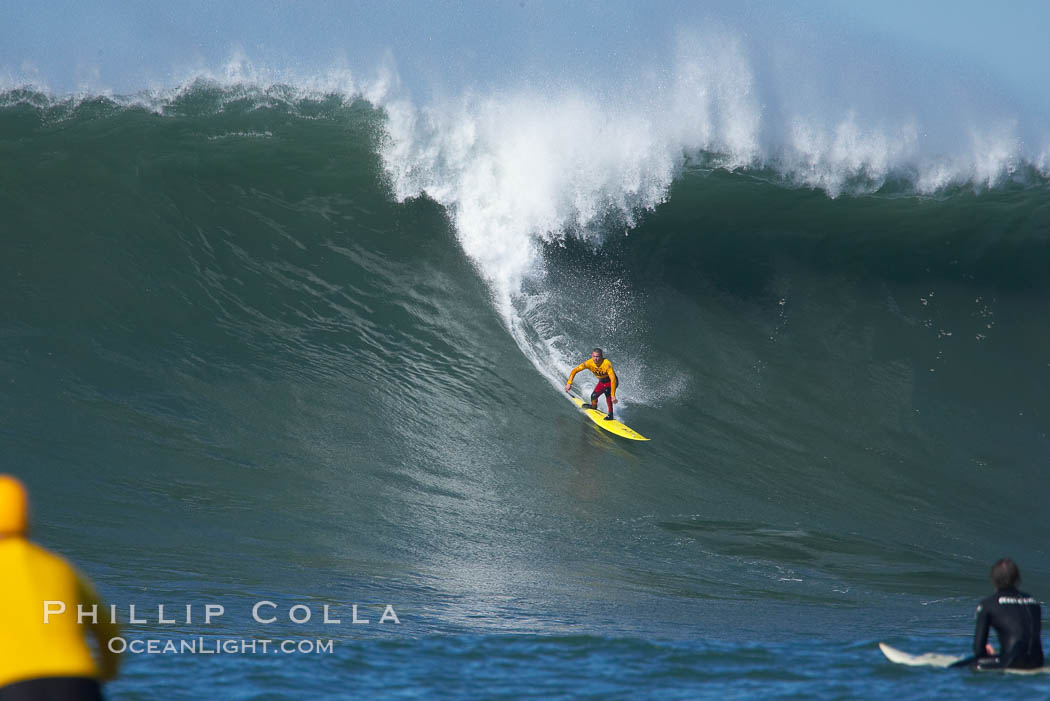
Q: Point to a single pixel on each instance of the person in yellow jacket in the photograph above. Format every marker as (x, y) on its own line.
(43, 654)
(603, 370)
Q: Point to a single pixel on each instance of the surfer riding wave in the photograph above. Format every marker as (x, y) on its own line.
(607, 382)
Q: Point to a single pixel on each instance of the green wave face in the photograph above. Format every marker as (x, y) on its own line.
(222, 318)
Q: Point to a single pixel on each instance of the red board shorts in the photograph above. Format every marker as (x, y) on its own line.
(600, 389)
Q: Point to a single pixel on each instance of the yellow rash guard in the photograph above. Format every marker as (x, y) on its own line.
(603, 372)
(29, 576)
(30, 648)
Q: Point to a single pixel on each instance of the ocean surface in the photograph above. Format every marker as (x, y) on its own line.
(268, 343)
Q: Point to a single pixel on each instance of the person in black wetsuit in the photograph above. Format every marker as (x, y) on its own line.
(1016, 618)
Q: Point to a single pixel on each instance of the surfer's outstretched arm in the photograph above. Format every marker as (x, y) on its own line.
(568, 384)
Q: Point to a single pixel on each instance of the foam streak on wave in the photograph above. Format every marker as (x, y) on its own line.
(514, 170)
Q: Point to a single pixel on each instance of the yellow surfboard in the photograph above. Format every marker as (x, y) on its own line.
(612, 426)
